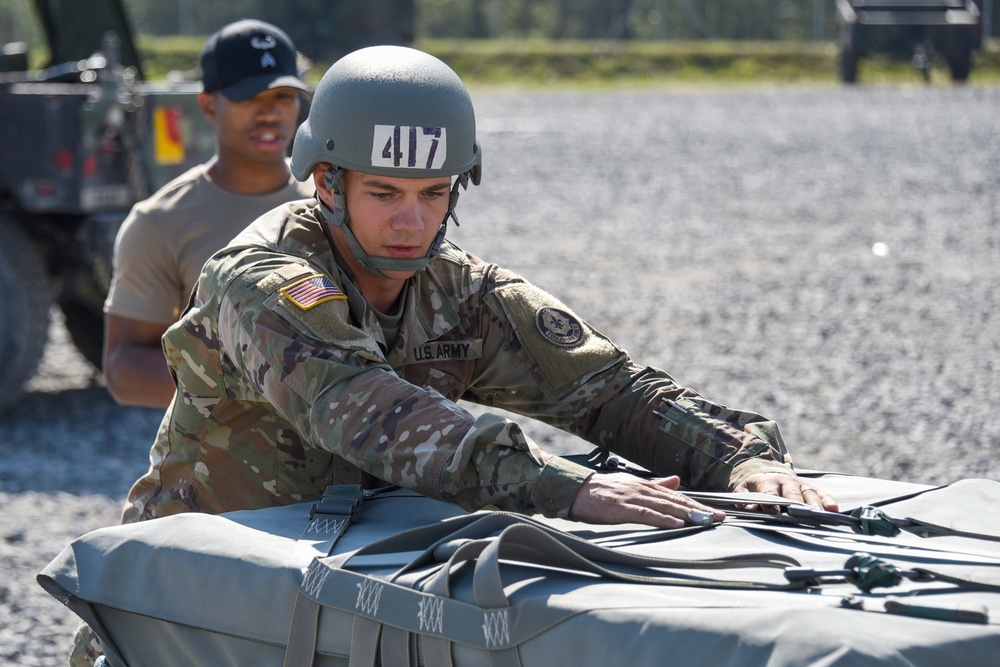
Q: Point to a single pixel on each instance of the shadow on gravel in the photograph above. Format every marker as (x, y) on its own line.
(77, 440)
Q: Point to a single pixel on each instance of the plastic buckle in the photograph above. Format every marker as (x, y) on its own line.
(868, 572)
(340, 500)
(873, 521)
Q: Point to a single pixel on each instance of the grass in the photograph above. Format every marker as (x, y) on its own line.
(542, 63)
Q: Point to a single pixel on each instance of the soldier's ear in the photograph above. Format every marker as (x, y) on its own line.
(319, 176)
(319, 180)
(206, 101)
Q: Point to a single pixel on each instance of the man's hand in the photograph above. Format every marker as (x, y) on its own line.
(786, 486)
(624, 498)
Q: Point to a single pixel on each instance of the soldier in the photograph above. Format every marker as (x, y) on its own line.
(332, 339)
(252, 95)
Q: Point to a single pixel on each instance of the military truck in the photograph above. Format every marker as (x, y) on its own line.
(81, 139)
(919, 30)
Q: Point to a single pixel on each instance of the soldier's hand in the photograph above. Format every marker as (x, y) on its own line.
(786, 486)
(624, 498)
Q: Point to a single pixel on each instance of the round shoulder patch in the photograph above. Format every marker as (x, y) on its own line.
(559, 326)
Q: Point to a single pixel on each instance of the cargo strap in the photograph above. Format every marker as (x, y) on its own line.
(415, 601)
(329, 517)
(868, 572)
(866, 520)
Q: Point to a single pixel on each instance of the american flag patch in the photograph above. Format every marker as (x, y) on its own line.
(312, 291)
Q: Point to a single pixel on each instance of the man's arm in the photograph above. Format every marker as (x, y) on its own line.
(134, 367)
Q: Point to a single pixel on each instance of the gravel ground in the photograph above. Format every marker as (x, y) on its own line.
(825, 256)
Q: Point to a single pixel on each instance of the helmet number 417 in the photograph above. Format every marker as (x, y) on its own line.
(408, 147)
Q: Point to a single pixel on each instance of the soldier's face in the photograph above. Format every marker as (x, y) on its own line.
(258, 129)
(396, 217)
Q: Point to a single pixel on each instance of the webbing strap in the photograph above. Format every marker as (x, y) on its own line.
(395, 647)
(959, 614)
(435, 650)
(330, 516)
(364, 642)
(300, 647)
(417, 601)
(392, 605)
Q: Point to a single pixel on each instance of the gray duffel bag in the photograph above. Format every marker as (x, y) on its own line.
(906, 575)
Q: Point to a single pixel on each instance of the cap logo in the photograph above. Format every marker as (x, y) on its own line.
(265, 44)
(409, 147)
(262, 43)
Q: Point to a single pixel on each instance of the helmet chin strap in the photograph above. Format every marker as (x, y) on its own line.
(374, 263)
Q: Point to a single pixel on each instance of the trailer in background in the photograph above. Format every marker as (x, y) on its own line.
(920, 30)
(84, 138)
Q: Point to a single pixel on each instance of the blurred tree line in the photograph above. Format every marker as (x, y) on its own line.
(323, 29)
(326, 29)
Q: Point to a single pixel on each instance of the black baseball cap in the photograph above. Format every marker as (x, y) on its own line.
(248, 57)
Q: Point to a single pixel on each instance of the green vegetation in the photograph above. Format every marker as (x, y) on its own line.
(540, 62)
(162, 55)
(617, 63)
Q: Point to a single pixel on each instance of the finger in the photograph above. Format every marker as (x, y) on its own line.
(750, 507)
(768, 485)
(667, 489)
(636, 505)
(674, 496)
(818, 498)
(652, 517)
(681, 506)
(812, 496)
(673, 482)
(664, 513)
(622, 498)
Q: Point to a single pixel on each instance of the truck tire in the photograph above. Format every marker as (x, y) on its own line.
(959, 43)
(960, 65)
(24, 311)
(847, 65)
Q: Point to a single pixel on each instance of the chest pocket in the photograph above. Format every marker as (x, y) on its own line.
(444, 366)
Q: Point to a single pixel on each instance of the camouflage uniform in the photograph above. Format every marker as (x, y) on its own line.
(286, 383)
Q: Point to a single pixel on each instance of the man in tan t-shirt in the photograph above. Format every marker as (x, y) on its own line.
(252, 96)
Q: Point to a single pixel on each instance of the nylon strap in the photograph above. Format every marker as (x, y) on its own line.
(335, 510)
(395, 647)
(385, 610)
(364, 642)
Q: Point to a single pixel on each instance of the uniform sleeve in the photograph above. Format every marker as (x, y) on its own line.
(673, 430)
(144, 285)
(552, 366)
(329, 378)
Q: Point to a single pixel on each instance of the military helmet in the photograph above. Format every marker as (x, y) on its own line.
(391, 111)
